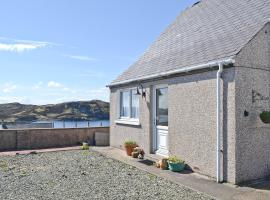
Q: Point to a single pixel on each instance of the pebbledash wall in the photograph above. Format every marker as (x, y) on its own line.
(252, 87)
(192, 116)
(47, 138)
(141, 134)
(192, 120)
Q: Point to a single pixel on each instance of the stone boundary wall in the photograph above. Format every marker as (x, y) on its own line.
(49, 138)
(29, 126)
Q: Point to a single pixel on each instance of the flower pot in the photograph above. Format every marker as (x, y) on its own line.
(176, 167)
(141, 156)
(164, 164)
(85, 146)
(135, 154)
(130, 148)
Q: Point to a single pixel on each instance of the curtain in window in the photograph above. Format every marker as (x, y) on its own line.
(134, 104)
(125, 104)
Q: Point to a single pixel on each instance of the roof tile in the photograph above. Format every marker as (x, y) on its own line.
(208, 31)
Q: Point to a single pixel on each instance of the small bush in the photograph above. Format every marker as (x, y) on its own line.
(85, 146)
(265, 116)
(130, 142)
(174, 159)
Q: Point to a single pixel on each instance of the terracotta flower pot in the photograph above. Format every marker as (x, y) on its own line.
(164, 163)
(130, 148)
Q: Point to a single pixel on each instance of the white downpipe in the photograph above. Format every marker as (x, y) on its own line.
(218, 159)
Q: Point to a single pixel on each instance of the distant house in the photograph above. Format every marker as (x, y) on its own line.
(206, 80)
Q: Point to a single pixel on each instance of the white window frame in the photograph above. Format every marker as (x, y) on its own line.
(127, 120)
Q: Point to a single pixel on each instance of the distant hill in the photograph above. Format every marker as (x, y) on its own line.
(81, 110)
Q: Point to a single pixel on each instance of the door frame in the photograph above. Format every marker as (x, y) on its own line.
(154, 147)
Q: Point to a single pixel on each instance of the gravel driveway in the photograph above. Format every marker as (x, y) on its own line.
(82, 175)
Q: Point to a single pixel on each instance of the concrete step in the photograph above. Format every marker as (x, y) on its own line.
(153, 157)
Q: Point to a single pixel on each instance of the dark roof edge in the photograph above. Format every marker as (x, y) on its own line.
(225, 61)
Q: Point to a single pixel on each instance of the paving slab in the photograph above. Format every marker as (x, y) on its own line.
(194, 181)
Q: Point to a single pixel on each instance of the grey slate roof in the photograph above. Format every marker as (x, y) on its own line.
(208, 31)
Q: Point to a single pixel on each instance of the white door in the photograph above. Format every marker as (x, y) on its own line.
(160, 108)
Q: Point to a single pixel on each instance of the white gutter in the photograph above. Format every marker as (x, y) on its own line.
(218, 151)
(220, 64)
(225, 61)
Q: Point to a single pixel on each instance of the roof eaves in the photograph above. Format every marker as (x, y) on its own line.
(225, 61)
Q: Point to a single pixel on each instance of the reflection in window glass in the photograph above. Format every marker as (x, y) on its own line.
(162, 106)
(134, 104)
(125, 105)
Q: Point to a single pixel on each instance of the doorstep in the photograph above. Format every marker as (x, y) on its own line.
(153, 157)
(193, 181)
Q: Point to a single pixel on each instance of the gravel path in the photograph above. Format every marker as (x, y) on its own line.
(82, 175)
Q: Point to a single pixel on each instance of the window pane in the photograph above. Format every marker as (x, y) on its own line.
(125, 107)
(134, 104)
(162, 106)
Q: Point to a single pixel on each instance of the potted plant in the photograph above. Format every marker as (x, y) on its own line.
(162, 164)
(265, 117)
(85, 146)
(138, 153)
(141, 155)
(135, 154)
(129, 146)
(176, 164)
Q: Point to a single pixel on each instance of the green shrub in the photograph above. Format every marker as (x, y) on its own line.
(265, 116)
(174, 159)
(85, 146)
(130, 142)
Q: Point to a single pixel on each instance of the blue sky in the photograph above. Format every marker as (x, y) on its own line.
(54, 51)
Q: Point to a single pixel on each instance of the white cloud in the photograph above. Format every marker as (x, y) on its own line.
(61, 88)
(12, 99)
(37, 86)
(68, 94)
(43, 43)
(101, 93)
(49, 93)
(66, 89)
(53, 84)
(82, 58)
(9, 87)
(69, 90)
(19, 46)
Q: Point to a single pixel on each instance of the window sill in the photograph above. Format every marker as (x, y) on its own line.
(132, 122)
